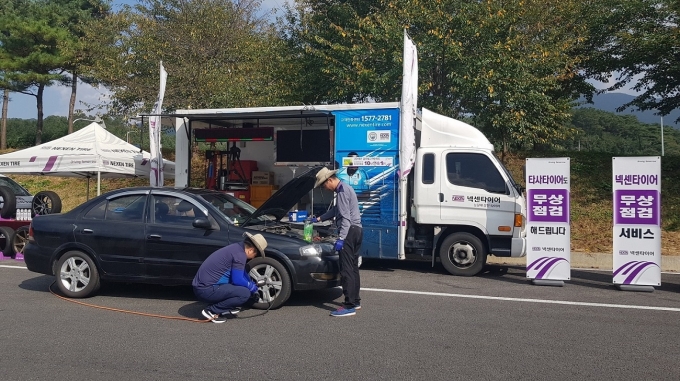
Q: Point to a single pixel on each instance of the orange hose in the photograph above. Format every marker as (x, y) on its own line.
(127, 311)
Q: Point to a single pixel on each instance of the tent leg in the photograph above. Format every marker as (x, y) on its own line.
(99, 183)
(88, 187)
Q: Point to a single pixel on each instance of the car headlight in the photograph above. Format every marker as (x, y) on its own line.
(310, 250)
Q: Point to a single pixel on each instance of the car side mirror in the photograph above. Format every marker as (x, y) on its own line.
(202, 223)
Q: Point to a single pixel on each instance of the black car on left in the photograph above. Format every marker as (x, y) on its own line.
(162, 235)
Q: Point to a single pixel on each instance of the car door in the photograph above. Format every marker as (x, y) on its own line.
(114, 230)
(174, 247)
(475, 190)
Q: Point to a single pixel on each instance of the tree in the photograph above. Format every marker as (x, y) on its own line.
(640, 41)
(217, 54)
(29, 35)
(510, 65)
(78, 16)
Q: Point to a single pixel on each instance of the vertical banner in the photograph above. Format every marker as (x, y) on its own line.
(637, 220)
(156, 156)
(548, 230)
(409, 105)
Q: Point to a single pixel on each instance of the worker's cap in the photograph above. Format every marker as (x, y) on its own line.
(323, 175)
(257, 240)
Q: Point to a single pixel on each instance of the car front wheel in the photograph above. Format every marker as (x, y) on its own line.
(77, 275)
(277, 288)
(462, 254)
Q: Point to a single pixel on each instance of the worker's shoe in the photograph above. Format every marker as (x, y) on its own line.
(232, 312)
(215, 318)
(342, 311)
(357, 306)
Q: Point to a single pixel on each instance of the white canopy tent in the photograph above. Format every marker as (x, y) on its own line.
(91, 151)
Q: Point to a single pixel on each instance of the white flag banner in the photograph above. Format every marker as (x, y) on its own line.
(636, 183)
(156, 158)
(409, 105)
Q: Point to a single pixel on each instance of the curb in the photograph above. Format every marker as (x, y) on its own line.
(602, 261)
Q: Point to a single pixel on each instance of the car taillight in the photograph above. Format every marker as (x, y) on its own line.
(30, 231)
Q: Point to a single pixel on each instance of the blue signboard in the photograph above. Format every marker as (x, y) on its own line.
(367, 151)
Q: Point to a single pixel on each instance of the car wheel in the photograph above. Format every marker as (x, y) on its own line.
(6, 234)
(8, 204)
(278, 287)
(462, 254)
(19, 239)
(77, 275)
(46, 202)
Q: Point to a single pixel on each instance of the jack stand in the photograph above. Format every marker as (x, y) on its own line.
(548, 282)
(636, 288)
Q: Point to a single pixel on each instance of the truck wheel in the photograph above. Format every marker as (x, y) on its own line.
(8, 204)
(278, 287)
(19, 239)
(6, 234)
(77, 275)
(462, 254)
(46, 202)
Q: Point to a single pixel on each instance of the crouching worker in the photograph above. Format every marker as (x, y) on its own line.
(222, 279)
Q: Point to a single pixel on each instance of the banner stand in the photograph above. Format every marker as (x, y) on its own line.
(548, 228)
(635, 288)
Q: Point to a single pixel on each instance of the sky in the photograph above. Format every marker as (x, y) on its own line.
(56, 98)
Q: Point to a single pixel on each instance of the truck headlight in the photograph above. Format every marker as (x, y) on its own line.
(310, 250)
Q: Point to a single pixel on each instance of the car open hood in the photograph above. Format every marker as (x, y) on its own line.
(285, 198)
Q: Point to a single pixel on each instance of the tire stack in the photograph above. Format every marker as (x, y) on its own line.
(14, 239)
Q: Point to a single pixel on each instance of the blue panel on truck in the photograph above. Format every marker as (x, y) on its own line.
(367, 153)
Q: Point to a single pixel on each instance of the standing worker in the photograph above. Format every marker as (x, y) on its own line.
(223, 281)
(350, 235)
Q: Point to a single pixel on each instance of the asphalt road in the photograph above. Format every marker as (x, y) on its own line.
(417, 323)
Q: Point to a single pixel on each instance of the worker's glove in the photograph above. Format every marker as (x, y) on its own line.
(315, 219)
(253, 288)
(261, 282)
(338, 244)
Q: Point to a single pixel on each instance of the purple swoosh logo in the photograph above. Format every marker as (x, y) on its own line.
(633, 269)
(50, 163)
(544, 265)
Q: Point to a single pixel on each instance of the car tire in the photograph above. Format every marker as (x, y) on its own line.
(77, 275)
(19, 239)
(6, 235)
(8, 204)
(46, 202)
(277, 290)
(462, 254)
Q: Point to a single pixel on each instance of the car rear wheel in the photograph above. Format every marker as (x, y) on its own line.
(278, 287)
(46, 202)
(6, 235)
(8, 203)
(77, 275)
(19, 239)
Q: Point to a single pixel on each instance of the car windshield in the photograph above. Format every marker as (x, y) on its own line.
(15, 187)
(235, 210)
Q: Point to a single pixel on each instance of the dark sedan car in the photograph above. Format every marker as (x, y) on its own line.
(162, 235)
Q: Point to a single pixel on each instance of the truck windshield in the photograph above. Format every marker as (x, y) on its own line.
(512, 180)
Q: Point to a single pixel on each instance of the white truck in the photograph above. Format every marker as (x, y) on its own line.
(458, 203)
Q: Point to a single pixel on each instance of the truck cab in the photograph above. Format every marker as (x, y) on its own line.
(465, 205)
